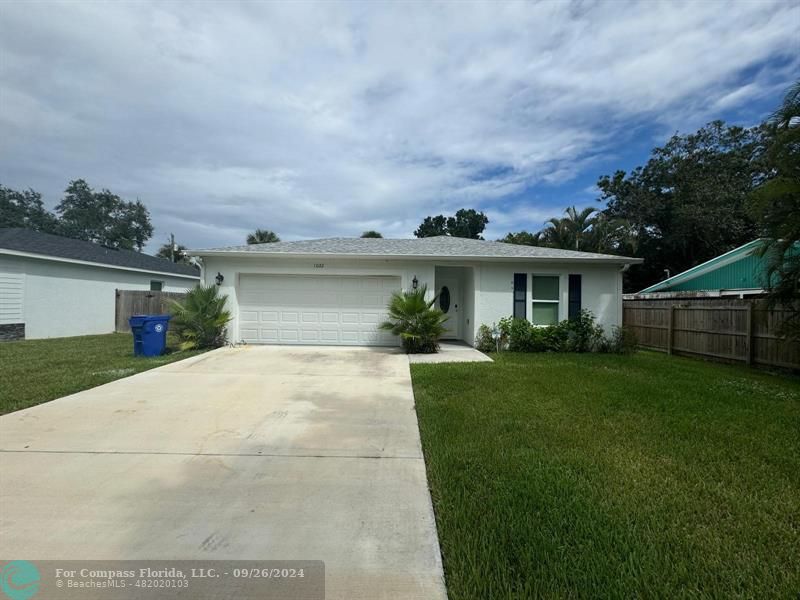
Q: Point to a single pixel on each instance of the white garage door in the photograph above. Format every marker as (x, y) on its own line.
(320, 309)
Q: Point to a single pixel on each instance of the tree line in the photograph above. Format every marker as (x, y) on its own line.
(101, 216)
(697, 196)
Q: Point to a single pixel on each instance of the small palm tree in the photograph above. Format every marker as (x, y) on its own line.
(263, 236)
(200, 320)
(414, 319)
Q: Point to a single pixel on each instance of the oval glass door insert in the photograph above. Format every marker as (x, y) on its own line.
(444, 299)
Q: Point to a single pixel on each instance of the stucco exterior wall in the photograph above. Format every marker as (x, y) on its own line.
(601, 290)
(487, 293)
(61, 299)
(232, 268)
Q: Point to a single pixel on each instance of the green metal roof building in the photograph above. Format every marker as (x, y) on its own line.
(736, 273)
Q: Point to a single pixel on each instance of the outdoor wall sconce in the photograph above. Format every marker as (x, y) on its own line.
(414, 282)
(219, 278)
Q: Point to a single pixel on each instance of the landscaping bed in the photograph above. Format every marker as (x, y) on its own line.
(36, 371)
(596, 475)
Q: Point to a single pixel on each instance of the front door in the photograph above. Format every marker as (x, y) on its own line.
(449, 302)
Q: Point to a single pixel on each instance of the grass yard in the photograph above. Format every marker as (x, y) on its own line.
(36, 371)
(578, 476)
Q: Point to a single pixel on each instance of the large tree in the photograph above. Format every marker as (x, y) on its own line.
(432, 226)
(103, 217)
(689, 203)
(25, 209)
(263, 236)
(372, 234)
(775, 204)
(466, 223)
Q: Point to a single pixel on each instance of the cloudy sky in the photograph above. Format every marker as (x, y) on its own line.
(326, 119)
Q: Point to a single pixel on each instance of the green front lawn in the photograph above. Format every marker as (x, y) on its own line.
(35, 371)
(611, 476)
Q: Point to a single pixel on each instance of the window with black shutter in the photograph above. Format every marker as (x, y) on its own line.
(520, 294)
(574, 297)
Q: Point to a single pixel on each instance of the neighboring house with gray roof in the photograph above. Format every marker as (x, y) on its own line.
(53, 286)
(335, 291)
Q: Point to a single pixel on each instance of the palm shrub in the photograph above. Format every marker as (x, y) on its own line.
(200, 320)
(415, 321)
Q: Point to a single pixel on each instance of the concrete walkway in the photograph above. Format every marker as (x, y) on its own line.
(265, 453)
(449, 352)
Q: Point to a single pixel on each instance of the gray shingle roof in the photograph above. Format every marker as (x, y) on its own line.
(439, 246)
(46, 244)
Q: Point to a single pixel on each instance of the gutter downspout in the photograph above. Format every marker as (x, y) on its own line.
(620, 314)
(201, 264)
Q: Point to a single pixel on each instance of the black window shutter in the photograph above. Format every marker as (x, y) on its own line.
(574, 296)
(520, 294)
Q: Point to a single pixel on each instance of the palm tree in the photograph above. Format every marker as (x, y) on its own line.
(414, 319)
(263, 236)
(788, 112)
(200, 320)
(570, 232)
(611, 236)
(371, 234)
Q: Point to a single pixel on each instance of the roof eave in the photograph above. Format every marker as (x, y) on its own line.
(696, 271)
(614, 260)
(91, 263)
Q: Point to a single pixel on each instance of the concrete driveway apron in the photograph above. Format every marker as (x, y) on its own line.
(259, 452)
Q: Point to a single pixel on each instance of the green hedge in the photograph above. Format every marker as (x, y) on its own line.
(581, 334)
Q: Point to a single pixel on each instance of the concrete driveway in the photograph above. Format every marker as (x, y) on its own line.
(266, 453)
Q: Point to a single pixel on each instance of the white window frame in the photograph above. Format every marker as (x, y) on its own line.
(152, 281)
(557, 277)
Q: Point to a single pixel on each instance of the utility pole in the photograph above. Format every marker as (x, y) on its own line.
(172, 247)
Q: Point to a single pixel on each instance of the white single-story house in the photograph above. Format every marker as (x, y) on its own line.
(335, 291)
(53, 286)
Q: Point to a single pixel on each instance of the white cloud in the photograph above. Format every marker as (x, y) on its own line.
(328, 119)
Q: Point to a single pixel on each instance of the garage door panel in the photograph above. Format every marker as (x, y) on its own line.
(309, 335)
(289, 335)
(350, 300)
(350, 335)
(268, 335)
(371, 318)
(315, 309)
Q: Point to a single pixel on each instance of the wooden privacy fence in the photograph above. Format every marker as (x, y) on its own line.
(733, 330)
(142, 302)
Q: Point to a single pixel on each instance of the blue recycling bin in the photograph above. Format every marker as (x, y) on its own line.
(149, 334)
